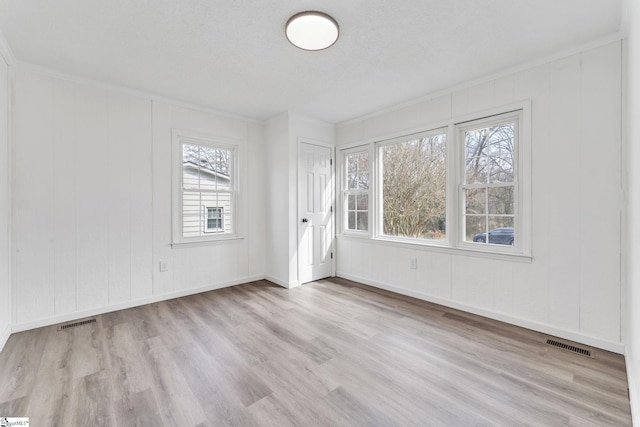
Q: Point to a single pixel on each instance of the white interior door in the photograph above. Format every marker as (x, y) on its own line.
(315, 212)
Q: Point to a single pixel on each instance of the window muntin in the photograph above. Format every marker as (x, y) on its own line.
(414, 186)
(489, 185)
(356, 191)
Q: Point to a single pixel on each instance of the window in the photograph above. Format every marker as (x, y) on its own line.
(356, 191)
(205, 182)
(214, 220)
(464, 186)
(489, 183)
(414, 186)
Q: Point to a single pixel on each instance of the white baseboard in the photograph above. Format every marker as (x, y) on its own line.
(632, 382)
(4, 337)
(19, 327)
(614, 347)
(294, 284)
(277, 281)
(287, 285)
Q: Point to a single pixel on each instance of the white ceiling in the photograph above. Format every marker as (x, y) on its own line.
(232, 55)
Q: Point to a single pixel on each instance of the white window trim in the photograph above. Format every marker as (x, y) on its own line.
(343, 222)
(453, 243)
(178, 138)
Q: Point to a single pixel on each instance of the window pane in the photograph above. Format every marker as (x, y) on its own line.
(363, 202)
(502, 169)
(190, 176)
(475, 229)
(203, 213)
(191, 214)
(476, 159)
(206, 168)
(352, 221)
(475, 200)
(500, 222)
(490, 154)
(503, 232)
(501, 200)
(351, 202)
(477, 170)
(363, 221)
(501, 148)
(358, 171)
(414, 188)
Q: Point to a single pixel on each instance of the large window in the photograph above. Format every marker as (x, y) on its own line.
(356, 190)
(206, 189)
(464, 186)
(414, 184)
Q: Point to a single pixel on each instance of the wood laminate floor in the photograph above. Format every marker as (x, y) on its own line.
(327, 353)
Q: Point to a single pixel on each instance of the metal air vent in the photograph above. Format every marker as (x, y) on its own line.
(569, 347)
(73, 325)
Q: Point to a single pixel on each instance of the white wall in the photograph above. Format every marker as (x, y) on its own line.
(92, 201)
(572, 288)
(282, 135)
(5, 207)
(633, 206)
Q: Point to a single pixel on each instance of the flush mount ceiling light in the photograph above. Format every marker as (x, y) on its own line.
(312, 30)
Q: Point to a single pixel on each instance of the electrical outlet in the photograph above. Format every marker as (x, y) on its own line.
(414, 263)
(164, 266)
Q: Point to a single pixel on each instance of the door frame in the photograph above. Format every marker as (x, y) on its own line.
(332, 151)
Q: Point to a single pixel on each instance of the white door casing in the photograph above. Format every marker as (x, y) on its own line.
(315, 212)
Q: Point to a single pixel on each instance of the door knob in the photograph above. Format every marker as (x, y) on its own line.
(305, 220)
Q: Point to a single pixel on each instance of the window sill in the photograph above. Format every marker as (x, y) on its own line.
(357, 234)
(208, 242)
(441, 248)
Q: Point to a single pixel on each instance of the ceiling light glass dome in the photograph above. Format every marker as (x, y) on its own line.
(312, 30)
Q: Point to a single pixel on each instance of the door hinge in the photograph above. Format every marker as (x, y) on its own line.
(330, 162)
(331, 208)
(331, 255)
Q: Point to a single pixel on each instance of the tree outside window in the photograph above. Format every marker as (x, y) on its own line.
(414, 182)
